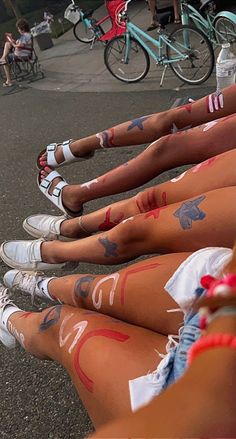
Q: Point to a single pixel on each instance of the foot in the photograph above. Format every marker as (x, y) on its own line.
(32, 255)
(177, 20)
(69, 198)
(7, 84)
(153, 26)
(26, 281)
(51, 227)
(5, 336)
(59, 157)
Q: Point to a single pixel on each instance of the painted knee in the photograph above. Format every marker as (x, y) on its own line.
(38, 333)
(124, 237)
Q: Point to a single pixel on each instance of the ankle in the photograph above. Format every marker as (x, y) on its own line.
(50, 252)
(84, 147)
(72, 229)
(71, 198)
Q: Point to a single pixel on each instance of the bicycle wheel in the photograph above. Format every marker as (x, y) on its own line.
(82, 32)
(197, 68)
(131, 67)
(227, 32)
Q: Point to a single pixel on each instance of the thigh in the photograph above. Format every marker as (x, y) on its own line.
(135, 294)
(214, 173)
(108, 354)
(203, 221)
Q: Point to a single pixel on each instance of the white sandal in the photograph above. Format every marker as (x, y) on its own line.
(68, 156)
(45, 226)
(56, 196)
(26, 255)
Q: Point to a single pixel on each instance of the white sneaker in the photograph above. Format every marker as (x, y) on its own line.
(5, 337)
(26, 255)
(45, 226)
(24, 280)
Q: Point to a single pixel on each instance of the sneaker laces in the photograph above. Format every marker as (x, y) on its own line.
(29, 284)
(4, 297)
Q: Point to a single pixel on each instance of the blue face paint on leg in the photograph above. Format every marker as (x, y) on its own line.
(138, 123)
(189, 212)
(51, 318)
(82, 286)
(110, 247)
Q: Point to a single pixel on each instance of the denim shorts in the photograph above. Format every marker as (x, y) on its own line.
(184, 287)
(172, 366)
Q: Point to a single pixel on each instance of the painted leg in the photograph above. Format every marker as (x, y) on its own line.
(114, 294)
(180, 148)
(196, 395)
(205, 220)
(92, 348)
(149, 128)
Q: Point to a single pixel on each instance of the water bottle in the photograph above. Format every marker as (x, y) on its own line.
(225, 67)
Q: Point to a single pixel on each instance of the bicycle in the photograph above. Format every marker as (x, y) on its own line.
(219, 27)
(188, 52)
(87, 29)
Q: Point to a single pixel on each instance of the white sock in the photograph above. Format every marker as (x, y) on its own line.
(8, 311)
(43, 286)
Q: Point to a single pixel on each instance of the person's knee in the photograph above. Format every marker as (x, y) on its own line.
(125, 236)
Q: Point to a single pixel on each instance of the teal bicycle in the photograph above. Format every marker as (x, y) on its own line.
(187, 51)
(220, 28)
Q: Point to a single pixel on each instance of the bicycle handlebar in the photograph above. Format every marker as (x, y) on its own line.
(126, 5)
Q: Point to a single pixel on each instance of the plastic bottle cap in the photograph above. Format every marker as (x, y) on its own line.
(225, 45)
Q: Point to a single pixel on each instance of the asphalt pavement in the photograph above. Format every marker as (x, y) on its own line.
(76, 98)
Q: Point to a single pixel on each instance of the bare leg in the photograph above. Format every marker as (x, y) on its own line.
(152, 7)
(176, 11)
(116, 293)
(191, 146)
(6, 51)
(150, 128)
(91, 347)
(205, 220)
(207, 176)
(7, 73)
(196, 395)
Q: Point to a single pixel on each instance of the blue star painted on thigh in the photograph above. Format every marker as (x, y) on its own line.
(138, 123)
(189, 212)
(110, 247)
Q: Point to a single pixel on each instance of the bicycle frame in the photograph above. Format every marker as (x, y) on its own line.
(206, 25)
(137, 33)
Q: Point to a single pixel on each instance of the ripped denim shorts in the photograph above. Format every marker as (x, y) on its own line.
(143, 389)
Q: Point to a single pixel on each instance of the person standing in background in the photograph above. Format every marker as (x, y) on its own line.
(153, 10)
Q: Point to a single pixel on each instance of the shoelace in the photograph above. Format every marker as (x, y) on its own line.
(4, 297)
(29, 284)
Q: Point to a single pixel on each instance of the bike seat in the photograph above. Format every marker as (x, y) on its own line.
(88, 13)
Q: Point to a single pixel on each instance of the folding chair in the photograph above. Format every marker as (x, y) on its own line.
(26, 67)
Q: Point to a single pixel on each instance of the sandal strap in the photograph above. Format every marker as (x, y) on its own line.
(51, 151)
(69, 157)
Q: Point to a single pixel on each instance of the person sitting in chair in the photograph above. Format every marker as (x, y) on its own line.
(19, 50)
